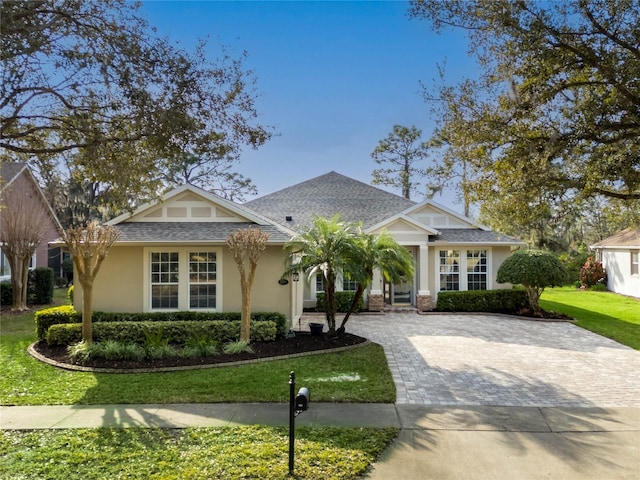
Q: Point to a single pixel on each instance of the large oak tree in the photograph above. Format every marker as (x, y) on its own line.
(555, 115)
(91, 81)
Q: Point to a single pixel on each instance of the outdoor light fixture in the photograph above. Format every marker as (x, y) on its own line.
(295, 276)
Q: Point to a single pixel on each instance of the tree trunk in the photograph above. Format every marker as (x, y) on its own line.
(19, 281)
(87, 327)
(330, 296)
(534, 298)
(352, 307)
(245, 319)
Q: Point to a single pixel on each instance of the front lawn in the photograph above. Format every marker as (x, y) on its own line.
(359, 375)
(193, 453)
(608, 314)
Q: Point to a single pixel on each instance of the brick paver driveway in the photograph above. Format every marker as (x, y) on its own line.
(501, 361)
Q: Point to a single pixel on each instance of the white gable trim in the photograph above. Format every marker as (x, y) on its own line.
(448, 211)
(405, 218)
(215, 199)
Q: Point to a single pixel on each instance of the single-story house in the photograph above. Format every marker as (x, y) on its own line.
(16, 179)
(172, 254)
(620, 256)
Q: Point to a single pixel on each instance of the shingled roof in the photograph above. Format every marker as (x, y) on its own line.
(181, 232)
(629, 237)
(474, 235)
(326, 196)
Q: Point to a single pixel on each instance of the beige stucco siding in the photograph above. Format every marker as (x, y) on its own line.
(267, 295)
(119, 284)
(122, 283)
(500, 254)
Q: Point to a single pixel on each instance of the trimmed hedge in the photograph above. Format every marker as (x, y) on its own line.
(67, 314)
(6, 293)
(54, 316)
(495, 301)
(191, 316)
(42, 280)
(176, 332)
(343, 302)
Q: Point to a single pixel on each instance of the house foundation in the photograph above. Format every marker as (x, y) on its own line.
(424, 303)
(376, 302)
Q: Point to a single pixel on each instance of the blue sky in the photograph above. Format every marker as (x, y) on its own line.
(333, 77)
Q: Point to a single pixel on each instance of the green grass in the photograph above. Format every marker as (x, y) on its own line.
(608, 314)
(194, 453)
(360, 375)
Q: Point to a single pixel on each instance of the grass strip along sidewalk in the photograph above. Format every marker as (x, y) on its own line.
(359, 375)
(192, 453)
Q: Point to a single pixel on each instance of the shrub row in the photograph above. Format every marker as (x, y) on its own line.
(67, 314)
(6, 293)
(175, 332)
(343, 302)
(40, 283)
(495, 301)
(53, 316)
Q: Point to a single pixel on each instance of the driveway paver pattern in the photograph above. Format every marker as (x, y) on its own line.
(494, 360)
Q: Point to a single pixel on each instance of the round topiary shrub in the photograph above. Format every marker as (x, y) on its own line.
(534, 270)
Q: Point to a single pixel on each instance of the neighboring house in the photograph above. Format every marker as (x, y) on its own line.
(172, 254)
(16, 177)
(619, 255)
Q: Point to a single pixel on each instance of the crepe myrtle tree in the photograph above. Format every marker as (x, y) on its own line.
(534, 270)
(23, 226)
(88, 247)
(246, 246)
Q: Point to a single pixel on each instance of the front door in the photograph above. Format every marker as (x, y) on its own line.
(400, 294)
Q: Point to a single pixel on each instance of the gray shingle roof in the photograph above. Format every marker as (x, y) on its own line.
(326, 196)
(209, 232)
(629, 237)
(473, 235)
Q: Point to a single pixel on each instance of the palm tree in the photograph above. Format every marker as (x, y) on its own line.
(327, 247)
(372, 252)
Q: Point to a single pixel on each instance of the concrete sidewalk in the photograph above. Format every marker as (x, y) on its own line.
(434, 442)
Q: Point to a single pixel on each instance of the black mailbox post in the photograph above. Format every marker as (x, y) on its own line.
(302, 400)
(297, 404)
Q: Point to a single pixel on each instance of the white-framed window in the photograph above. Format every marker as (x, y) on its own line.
(5, 269)
(202, 279)
(473, 275)
(182, 279)
(319, 282)
(449, 269)
(164, 280)
(635, 262)
(349, 285)
(476, 269)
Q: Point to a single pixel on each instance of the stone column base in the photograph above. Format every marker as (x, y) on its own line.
(376, 302)
(424, 303)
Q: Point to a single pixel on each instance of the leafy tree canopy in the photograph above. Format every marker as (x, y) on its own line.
(88, 83)
(555, 115)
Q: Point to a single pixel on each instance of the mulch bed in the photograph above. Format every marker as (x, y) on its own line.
(301, 343)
